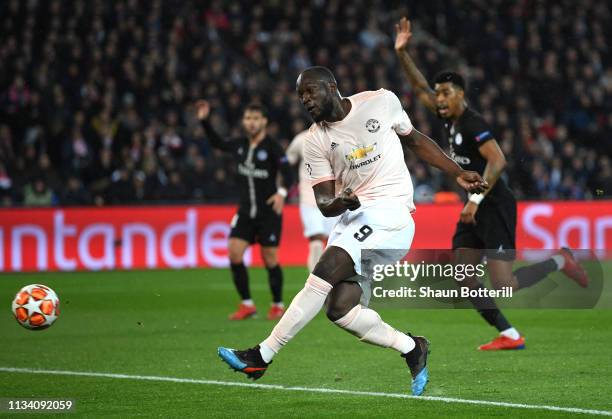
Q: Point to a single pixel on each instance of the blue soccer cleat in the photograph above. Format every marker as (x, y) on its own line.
(417, 363)
(248, 362)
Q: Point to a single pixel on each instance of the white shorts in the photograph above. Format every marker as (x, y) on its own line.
(314, 222)
(380, 225)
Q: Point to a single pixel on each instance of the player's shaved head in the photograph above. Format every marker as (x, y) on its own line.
(318, 73)
(318, 92)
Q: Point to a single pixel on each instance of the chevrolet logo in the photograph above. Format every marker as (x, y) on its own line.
(360, 152)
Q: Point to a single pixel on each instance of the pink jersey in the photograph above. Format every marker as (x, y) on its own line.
(294, 155)
(363, 151)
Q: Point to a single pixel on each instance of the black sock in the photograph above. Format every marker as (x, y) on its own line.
(488, 310)
(532, 274)
(275, 279)
(241, 280)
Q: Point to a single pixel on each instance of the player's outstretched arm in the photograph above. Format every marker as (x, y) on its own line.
(416, 79)
(331, 205)
(426, 149)
(202, 113)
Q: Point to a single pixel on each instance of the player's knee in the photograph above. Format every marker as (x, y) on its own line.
(235, 260)
(336, 311)
(270, 260)
(334, 266)
(324, 268)
(235, 256)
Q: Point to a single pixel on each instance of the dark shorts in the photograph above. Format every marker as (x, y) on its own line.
(265, 229)
(495, 230)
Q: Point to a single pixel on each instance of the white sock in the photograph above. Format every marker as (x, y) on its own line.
(281, 305)
(315, 250)
(511, 333)
(248, 302)
(266, 352)
(367, 325)
(559, 260)
(305, 305)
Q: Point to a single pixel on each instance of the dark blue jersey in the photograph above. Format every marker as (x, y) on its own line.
(465, 136)
(257, 169)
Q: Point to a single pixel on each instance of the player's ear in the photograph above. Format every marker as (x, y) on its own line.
(333, 88)
(461, 94)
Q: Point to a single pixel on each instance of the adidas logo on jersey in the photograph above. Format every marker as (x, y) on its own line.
(334, 145)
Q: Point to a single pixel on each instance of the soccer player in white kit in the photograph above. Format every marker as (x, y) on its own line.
(316, 226)
(354, 143)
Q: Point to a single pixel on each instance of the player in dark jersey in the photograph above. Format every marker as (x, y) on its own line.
(488, 221)
(259, 160)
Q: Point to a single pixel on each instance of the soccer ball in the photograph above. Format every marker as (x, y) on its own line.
(36, 307)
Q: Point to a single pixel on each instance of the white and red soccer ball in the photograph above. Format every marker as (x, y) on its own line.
(36, 307)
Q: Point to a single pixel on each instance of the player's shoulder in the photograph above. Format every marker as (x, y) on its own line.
(312, 137)
(310, 131)
(300, 136)
(477, 126)
(473, 116)
(272, 144)
(368, 95)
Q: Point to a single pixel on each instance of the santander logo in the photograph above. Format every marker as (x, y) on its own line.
(179, 237)
(53, 243)
(547, 229)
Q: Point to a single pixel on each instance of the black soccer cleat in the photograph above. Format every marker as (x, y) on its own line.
(248, 362)
(417, 363)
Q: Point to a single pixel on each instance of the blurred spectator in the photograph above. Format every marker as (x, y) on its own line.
(74, 193)
(121, 190)
(37, 194)
(103, 90)
(175, 189)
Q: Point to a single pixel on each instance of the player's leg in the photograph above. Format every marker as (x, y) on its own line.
(316, 245)
(237, 247)
(269, 254)
(268, 231)
(468, 250)
(502, 275)
(316, 231)
(241, 237)
(345, 310)
(485, 305)
(335, 266)
(496, 228)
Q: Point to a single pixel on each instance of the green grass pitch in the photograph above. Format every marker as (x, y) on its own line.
(169, 324)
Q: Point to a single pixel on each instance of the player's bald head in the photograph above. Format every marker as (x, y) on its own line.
(317, 73)
(318, 90)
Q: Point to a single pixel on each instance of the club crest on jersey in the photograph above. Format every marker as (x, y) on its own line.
(372, 125)
(360, 152)
(262, 155)
(458, 139)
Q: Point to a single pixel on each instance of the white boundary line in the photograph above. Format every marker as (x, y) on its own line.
(308, 389)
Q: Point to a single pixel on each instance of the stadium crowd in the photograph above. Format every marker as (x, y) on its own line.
(96, 97)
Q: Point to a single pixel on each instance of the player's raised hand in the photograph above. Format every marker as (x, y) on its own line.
(402, 34)
(277, 201)
(349, 199)
(202, 109)
(472, 182)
